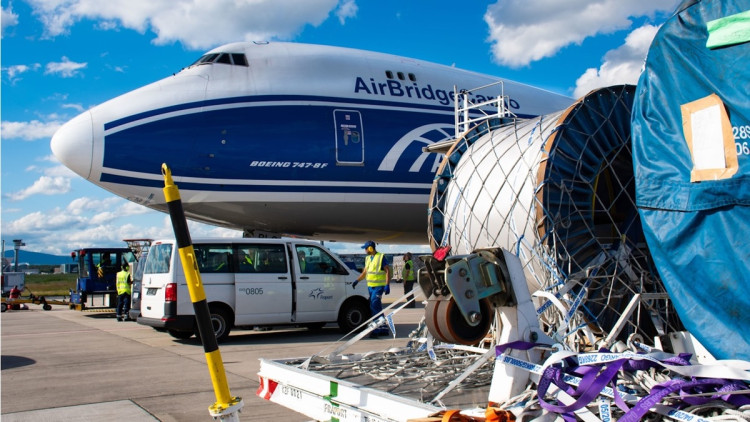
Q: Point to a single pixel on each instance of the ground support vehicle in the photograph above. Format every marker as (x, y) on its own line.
(517, 369)
(7, 303)
(423, 378)
(393, 385)
(97, 271)
(251, 283)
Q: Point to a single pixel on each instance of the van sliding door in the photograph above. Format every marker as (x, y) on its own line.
(263, 285)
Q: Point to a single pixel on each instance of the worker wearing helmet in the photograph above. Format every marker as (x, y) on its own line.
(123, 292)
(377, 272)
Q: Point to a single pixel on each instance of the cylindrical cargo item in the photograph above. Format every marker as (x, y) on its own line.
(556, 190)
(691, 152)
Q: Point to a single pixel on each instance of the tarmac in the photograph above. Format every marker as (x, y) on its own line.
(63, 365)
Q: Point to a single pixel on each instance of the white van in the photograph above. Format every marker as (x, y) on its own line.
(251, 283)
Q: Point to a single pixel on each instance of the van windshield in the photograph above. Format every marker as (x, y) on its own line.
(159, 257)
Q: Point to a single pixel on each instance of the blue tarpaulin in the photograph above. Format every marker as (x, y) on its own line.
(691, 157)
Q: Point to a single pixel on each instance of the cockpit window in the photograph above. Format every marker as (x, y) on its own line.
(224, 58)
(238, 59)
(208, 58)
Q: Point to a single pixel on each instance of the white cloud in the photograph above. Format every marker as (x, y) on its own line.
(77, 107)
(59, 171)
(622, 65)
(65, 68)
(45, 185)
(82, 205)
(347, 9)
(49, 158)
(198, 24)
(205, 230)
(29, 131)
(523, 31)
(130, 208)
(56, 171)
(96, 222)
(39, 222)
(15, 71)
(7, 19)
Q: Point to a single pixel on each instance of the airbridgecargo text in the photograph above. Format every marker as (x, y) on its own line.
(395, 88)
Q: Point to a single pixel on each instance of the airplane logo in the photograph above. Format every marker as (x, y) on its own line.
(421, 135)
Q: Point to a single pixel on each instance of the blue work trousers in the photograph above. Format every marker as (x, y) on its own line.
(123, 305)
(376, 304)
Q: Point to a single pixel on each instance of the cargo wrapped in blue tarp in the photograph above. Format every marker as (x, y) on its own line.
(691, 157)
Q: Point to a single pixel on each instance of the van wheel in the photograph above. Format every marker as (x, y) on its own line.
(220, 322)
(352, 315)
(180, 335)
(4, 307)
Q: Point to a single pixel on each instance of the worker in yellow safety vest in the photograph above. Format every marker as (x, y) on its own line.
(377, 272)
(123, 292)
(409, 275)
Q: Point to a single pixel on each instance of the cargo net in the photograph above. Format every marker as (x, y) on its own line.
(558, 192)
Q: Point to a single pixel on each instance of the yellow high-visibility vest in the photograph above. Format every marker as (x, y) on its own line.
(122, 282)
(375, 271)
(408, 274)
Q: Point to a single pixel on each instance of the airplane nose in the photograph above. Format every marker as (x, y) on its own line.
(73, 144)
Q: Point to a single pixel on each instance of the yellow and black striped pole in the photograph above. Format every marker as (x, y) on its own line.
(226, 406)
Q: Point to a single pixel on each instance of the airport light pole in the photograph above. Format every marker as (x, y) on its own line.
(17, 243)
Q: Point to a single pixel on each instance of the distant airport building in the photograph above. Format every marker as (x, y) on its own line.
(67, 269)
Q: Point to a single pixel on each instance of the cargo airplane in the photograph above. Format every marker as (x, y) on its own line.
(286, 139)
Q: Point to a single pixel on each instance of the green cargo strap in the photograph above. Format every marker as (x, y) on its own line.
(729, 30)
(334, 391)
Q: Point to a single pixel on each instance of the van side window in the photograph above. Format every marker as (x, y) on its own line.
(270, 259)
(314, 260)
(214, 258)
(159, 257)
(246, 258)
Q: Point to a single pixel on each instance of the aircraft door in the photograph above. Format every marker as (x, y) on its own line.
(350, 141)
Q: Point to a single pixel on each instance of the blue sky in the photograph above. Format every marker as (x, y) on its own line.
(61, 57)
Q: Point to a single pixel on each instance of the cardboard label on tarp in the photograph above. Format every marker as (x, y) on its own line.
(708, 134)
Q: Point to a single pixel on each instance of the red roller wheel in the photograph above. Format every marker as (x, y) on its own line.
(455, 329)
